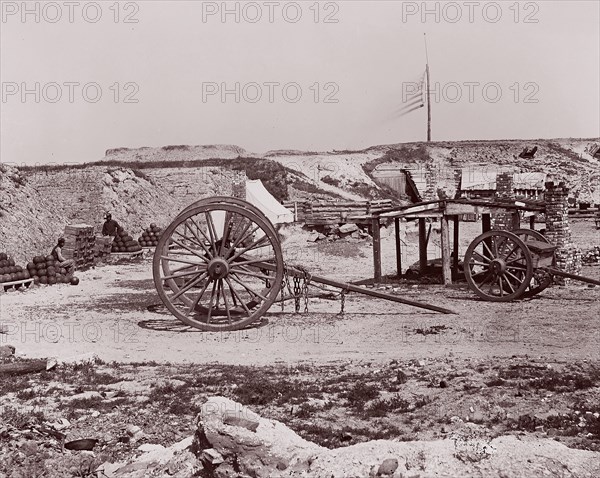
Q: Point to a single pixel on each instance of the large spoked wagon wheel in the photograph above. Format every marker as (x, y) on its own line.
(218, 266)
(541, 279)
(498, 266)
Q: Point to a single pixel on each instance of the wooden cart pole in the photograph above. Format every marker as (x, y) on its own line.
(398, 247)
(422, 247)
(376, 248)
(445, 233)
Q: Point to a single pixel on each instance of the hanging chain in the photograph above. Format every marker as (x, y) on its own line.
(297, 291)
(307, 278)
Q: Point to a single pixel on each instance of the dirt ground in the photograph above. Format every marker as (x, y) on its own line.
(107, 314)
(381, 370)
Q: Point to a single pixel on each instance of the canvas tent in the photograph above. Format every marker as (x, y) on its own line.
(257, 195)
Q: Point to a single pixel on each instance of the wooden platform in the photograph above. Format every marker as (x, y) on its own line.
(15, 284)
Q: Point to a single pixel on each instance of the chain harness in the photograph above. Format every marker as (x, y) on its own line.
(299, 291)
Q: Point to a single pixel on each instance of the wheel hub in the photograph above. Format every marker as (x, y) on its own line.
(218, 268)
(498, 266)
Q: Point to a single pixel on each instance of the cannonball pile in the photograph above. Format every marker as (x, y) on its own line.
(9, 271)
(150, 236)
(124, 242)
(45, 270)
(591, 256)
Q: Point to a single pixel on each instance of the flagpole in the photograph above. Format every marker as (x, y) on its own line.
(428, 89)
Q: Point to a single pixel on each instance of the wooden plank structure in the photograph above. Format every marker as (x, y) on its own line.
(15, 284)
(336, 212)
(446, 211)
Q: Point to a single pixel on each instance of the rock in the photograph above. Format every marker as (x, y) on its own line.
(388, 467)
(7, 350)
(348, 228)
(314, 237)
(261, 453)
(148, 447)
(212, 456)
(234, 419)
(83, 396)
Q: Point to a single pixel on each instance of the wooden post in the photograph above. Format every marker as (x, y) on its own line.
(398, 247)
(446, 270)
(532, 222)
(455, 247)
(376, 248)
(486, 225)
(295, 211)
(486, 222)
(422, 247)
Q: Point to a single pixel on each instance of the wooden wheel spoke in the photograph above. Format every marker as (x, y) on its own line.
(189, 285)
(501, 284)
(172, 259)
(197, 241)
(210, 304)
(197, 300)
(482, 257)
(226, 229)
(485, 246)
(512, 289)
(507, 272)
(184, 274)
(191, 238)
(211, 231)
(253, 261)
(242, 237)
(200, 241)
(250, 291)
(234, 293)
(225, 302)
(197, 254)
(251, 274)
(249, 248)
(475, 263)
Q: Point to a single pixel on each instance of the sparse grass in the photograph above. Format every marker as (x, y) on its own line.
(360, 394)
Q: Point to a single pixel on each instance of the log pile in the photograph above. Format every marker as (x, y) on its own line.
(335, 212)
(80, 245)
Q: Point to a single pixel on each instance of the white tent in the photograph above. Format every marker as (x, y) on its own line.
(257, 195)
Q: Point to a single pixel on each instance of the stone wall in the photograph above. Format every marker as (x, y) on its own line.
(558, 231)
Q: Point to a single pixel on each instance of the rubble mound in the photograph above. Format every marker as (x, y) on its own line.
(231, 440)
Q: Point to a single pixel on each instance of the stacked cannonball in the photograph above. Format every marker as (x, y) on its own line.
(45, 270)
(124, 242)
(9, 271)
(150, 236)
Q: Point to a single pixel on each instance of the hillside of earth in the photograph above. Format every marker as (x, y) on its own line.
(144, 185)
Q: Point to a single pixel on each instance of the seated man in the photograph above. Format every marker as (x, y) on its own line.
(110, 226)
(68, 264)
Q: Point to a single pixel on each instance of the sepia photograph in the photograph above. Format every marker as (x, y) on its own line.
(312, 238)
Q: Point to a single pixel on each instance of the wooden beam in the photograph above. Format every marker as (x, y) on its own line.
(455, 246)
(532, 223)
(422, 247)
(398, 247)
(446, 269)
(376, 248)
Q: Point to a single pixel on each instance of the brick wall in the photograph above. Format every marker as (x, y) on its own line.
(558, 231)
(505, 221)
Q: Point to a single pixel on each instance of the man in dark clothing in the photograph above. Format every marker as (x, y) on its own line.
(110, 226)
(68, 264)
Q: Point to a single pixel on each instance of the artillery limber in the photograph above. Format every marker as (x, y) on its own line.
(219, 266)
(502, 266)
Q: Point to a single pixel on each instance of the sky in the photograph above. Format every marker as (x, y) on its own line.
(82, 77)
